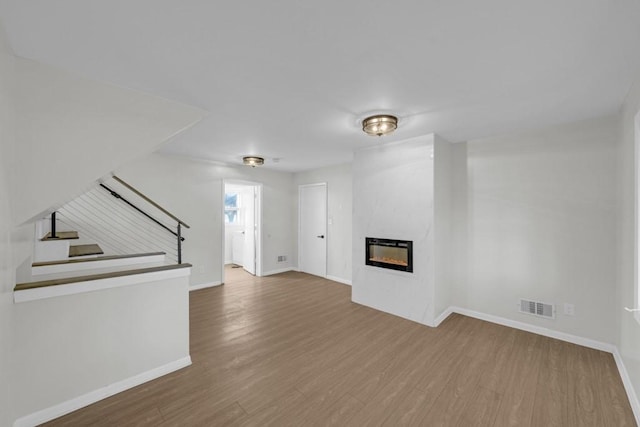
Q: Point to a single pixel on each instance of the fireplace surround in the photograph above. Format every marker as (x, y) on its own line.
(389, 253)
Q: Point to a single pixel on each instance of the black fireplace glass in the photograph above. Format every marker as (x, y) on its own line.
(389, 253)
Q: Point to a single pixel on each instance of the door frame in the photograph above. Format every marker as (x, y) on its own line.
(326, 216)
(258, 213)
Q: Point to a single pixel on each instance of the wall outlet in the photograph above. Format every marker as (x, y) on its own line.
(282, 258)
(569, 309)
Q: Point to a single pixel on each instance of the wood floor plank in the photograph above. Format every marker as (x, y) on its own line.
(481, 408)
(292, 349)
(613, 393)
(522, 370)
(332, 397)
(583, 405)
(340, 413)
(203, 415)
(550, 407)
(493, 377)
(411, 411)
(455, 395)
(388, 397)
(270, 414)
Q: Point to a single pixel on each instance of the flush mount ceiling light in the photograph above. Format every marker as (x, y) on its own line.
(253, 161)
(380, 124)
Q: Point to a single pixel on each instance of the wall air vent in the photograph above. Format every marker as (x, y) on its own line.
(537, 308)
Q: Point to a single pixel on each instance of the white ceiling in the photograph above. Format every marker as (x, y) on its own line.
(291, 79)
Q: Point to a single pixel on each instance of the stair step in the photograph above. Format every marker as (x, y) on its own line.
(100, 279)
(98, 258)
(61, 235)
(83, 250)
(71, 266)
(92, 277)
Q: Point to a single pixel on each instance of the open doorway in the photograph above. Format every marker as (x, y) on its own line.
(241, 224)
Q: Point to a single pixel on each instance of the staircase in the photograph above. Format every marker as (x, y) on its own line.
(111, 236)
(53, 245)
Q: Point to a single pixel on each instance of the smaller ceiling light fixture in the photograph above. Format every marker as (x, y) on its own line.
(253, 161)
(379, 125)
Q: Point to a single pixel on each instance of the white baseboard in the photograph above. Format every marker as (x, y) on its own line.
(87, 399)
(574, 339)
(278, 271)
(204, 285)
(628, 385)
(339, 280)
(443, 316)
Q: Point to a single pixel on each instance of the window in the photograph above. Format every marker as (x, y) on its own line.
(231, 208)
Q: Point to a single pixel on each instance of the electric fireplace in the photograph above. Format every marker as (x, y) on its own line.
(390, 253)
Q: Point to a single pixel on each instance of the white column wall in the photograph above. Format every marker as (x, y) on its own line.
(442, 224)
(393, 198)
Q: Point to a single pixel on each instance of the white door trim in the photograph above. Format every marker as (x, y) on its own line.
(258, 209)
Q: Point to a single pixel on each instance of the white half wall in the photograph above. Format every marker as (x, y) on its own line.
(71, 131)
(68, 346)
(339, 212)
(541, 224)
(393, 198)
(192, 190)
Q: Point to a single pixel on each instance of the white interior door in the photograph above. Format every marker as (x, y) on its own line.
(237, 247)
(312, 240)
(248, 201)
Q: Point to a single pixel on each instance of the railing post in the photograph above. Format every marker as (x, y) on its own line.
(179, 243)
(53, 225)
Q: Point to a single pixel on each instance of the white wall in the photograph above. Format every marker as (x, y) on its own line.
(7, 140)
(192, 190)
(628, 328)
(541, 224)
(339, 211)
(64, 120)
(393, 198)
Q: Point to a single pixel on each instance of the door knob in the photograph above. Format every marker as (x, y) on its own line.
(321, 236)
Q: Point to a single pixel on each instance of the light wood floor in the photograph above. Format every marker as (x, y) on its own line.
(292, 349)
